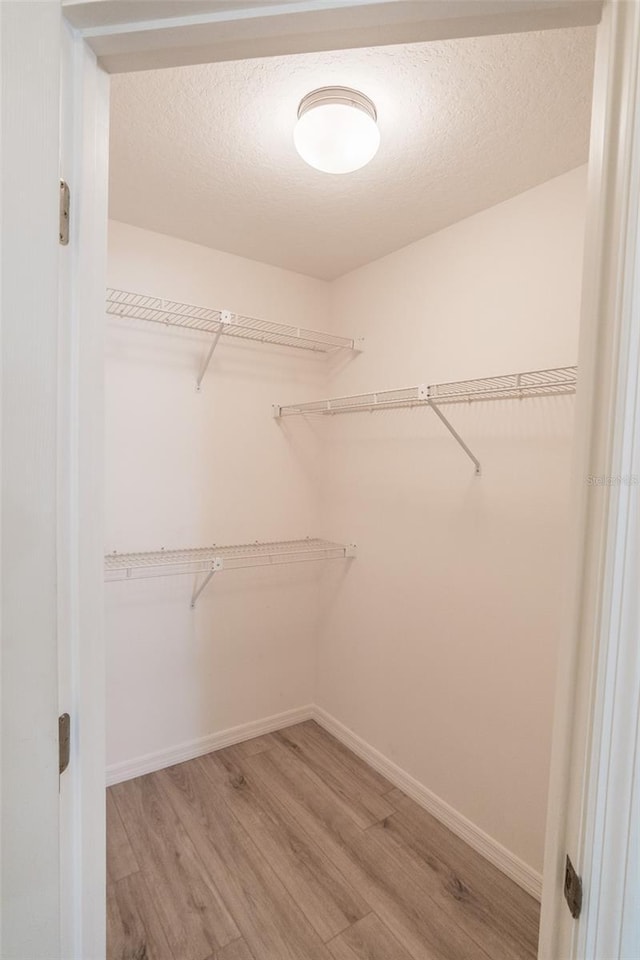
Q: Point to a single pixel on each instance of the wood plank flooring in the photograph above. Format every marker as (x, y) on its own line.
(289, 847)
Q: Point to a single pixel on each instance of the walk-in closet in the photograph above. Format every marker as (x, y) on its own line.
(341, 342)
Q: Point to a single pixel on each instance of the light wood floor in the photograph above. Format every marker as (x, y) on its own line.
(289, 847)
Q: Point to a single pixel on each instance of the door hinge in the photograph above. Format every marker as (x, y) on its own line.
(64, 741)
(572, 889)
(65, 197)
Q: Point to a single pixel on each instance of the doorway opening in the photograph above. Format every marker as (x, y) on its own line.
(425, 640)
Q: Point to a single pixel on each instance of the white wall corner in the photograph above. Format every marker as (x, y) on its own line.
(179, 753)
(493, 851)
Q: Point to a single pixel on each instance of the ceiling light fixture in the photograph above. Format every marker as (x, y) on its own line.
(336, 130)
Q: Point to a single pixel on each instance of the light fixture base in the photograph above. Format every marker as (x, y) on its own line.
(341, 95)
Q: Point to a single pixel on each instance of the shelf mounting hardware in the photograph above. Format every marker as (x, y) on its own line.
(225, 317)
(456, 436)
(216, 565)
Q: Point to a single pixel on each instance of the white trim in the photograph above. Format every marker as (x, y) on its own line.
(608, 858)
(177, 19)
(242, 31)
(150, 762)
(29, 251)
(592, 773)
(507, 862)
(83, 163)
(91, 272)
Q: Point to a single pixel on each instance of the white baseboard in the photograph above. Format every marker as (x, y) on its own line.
(511, 865)
(149, 762)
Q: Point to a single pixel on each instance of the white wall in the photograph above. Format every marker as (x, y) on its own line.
(188, 469)
(439, 645)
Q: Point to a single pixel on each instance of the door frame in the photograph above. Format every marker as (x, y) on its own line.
(582, 799)
(84, 152)
(596, 742)
(29, 103)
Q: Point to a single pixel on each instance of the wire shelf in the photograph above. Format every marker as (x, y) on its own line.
(137, 306)
(205, 560)
(556, 381)
(512, 386)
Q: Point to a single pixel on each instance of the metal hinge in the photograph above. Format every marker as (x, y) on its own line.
(64, 212)
(572, 889)
(64, 741)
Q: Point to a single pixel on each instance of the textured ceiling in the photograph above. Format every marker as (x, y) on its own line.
(205, 153)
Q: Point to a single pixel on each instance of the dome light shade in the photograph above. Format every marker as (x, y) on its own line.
(336, 130)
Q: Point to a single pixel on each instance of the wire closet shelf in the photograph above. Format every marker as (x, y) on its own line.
(552, 382)
(187, 316)
(511, 386)
(206, 561)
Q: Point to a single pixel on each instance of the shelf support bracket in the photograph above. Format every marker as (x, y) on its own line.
(216, 566)
(225, 317)
(456, 436)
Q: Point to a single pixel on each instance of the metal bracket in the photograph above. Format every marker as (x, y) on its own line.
(454, 433)
(216, 566)
(572, 889)
(225, 317)
(351, 550)
(65, 199)
(276, 411)
(64, 741)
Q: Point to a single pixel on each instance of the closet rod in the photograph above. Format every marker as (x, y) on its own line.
(551, 382)
(187, 316)
(204, 562)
